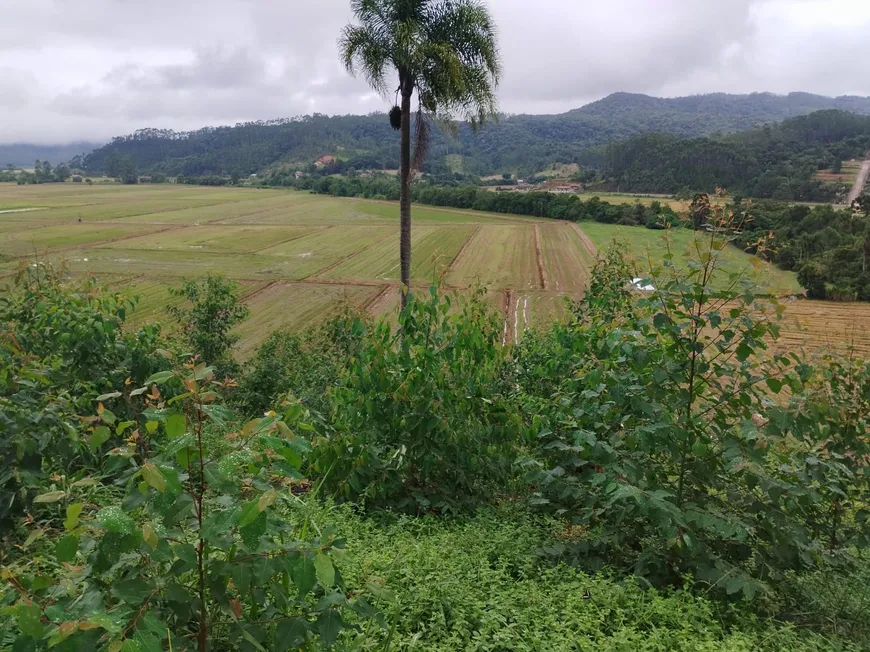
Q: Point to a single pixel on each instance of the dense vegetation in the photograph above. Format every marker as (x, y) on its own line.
(649, 474)
(522, 143)
(828, 248)
(772, 162)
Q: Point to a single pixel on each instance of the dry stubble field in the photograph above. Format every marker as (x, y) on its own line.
(299, 256)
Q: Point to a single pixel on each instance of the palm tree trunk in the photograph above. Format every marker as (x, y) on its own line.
(405, 199)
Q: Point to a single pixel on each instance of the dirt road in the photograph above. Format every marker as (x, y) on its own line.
(860, 182)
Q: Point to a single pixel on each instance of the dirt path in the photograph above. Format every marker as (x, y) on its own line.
(860, 182)
(590, 246)
(542, 275)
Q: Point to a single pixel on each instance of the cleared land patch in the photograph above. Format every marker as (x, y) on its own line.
(566, 260)
(499, 257)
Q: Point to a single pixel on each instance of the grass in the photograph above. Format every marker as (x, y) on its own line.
(499, 257)
(650, 246)
(471, 585)
(161, 234)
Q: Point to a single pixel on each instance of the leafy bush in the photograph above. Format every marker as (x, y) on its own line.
(421, 417)
(207, 324)
(61, 345)
(307, 364)
(660, 436)
(196, 555)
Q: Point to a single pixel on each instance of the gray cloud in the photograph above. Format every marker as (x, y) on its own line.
(70, 71)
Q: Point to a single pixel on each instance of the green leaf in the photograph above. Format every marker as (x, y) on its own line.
(109, 417)
(84, 482)
(66, 548)
(743, 351)
(134, 592)
(303, 574)
(106, 397)
(325, 570)
(151, 474)
(250, 511)
(149, 536)
(98, 437)
(38, 533)
(661, 321)
(176, 425)
(30, 620)
(104, 621)
(151, 426)
(50, 497)
(218, 414)
(290, 634)
(72, 515)
(329, 626)
(160, 377)
(114, 519)
(774, 385)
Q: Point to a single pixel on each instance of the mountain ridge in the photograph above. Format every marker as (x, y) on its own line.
(520, 143)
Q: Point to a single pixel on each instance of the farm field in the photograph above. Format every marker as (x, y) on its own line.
(847, 175)
(297, 257)
(650, 246)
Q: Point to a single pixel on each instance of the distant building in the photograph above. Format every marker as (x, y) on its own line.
(564, 190)
(298, 174)
(324, 160)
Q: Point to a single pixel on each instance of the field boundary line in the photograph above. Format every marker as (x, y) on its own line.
(258, 291)
(124, 217)
(590, 246)
(100, 243)
(539, 259)
(530, 219)
(331, 267)
(295, 237)
(462, 250)
(506, 311)
(372, 302)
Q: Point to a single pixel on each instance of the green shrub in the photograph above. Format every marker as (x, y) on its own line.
(196, 556)
(207, 322)
(421, 418)
(306, 364)
(663, 434)
(62, 344)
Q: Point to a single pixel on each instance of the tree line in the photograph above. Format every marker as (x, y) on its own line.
(775, 162)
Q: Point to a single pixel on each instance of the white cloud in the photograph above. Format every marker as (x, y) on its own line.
(100, 68)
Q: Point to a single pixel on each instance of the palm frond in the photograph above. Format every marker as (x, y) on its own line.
(422, 138)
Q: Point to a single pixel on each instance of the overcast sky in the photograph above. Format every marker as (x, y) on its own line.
(92, 69)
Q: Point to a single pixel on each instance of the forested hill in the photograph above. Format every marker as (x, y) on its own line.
(777, 161)
(522, 143)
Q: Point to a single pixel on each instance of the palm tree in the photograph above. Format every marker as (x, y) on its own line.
(446, 51)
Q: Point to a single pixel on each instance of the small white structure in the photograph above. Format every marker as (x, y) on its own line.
(639, 284)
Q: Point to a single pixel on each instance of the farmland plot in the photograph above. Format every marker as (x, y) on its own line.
(293, 306)
(501, 256)
(433, 249)
(299, 255)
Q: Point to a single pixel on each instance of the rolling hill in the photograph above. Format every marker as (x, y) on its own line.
(523, 143)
